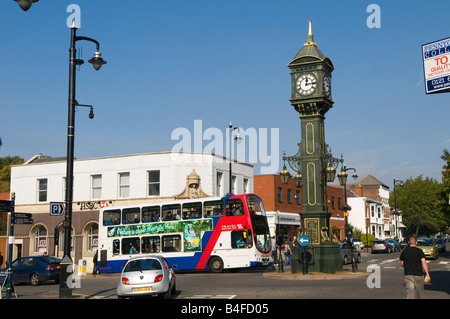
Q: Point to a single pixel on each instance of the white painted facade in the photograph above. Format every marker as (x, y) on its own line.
(111, 175)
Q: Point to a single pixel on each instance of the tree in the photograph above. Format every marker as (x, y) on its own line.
(418, 199)
(5, 171)
(443, 201)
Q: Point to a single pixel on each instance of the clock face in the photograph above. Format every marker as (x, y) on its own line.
(306, 84)
(326, 85)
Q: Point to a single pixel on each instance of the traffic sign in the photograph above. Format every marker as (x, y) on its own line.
(22, 215)
(303, 240)
(6, 205)
(57, 209)
(27, 221)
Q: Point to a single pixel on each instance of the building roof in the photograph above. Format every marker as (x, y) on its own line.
(369, 180)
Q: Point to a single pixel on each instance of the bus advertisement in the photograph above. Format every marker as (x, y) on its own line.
(210, 233)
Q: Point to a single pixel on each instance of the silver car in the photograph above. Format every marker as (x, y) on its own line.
(382, 246)
(147, 276)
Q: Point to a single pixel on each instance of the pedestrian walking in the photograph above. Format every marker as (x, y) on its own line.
(414, 263)
(287, 253)
(95, 260)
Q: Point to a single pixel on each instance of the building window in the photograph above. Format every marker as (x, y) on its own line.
(297, 197)
(245, 190)
(280, 195)
(153, 183)
(92, 238)
(219, 184)
(289, 196)
(332, 202)
(42, 190)
(40, 240)
(233, 184)
(96, 182)
(124, 184)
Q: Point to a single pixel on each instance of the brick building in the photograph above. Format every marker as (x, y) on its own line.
(284, 202)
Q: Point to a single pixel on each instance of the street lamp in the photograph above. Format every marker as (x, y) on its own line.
(65, 291)
(25, 4)
(238, 139)
(395, 205)
(342, 176)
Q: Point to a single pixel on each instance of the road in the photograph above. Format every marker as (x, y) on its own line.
(270, 284)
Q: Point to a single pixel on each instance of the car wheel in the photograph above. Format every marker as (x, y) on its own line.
(216, 265)
(174, 289)
(345, 260)
(34, 279)
(167, 294)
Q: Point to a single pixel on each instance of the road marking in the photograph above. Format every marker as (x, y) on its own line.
(211, 297)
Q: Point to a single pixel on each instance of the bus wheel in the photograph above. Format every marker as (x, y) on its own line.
(216, 264)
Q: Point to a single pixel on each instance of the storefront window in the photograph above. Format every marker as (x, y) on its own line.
(40, 240)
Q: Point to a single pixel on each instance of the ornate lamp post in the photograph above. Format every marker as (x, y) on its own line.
(65, 291)
(342, 176)
(395, 205)
(238, 139)
(25, 4)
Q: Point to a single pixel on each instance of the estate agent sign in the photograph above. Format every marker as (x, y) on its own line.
(436, 64)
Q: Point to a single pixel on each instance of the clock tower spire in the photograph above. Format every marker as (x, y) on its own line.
(311, 97)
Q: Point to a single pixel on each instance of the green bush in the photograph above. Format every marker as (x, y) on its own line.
(367, 239)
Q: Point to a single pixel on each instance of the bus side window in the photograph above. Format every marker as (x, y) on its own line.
(241, 239)
(131, 246)
(116, 247)
(235, 207)
(131, 215)
(213, 208)
(192, 210)
(151, 244)
(151, 214)
(111, 217)
(171, 212)
(171, 243)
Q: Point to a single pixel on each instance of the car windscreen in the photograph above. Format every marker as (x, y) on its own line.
(142, 264)
(424, 243)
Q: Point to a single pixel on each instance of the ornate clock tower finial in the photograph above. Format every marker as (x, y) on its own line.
(310, 36)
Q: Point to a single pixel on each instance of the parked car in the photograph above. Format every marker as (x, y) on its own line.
(395, 244)
(382, 246)
(441, 245)
(403, 244)
(35, 269)
(147, 275)
(346, 253)
(429, 247)
(358, 243)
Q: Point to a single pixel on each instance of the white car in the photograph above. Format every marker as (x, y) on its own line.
(147, 276)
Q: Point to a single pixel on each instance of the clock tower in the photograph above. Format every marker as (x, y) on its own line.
(311, 97)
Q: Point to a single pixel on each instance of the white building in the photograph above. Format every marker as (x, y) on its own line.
(111, 181)
(367, 215)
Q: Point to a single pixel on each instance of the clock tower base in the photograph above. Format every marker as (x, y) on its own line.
(322, 253)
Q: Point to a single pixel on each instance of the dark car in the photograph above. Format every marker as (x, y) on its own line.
(395, 244)
(346, 253)
(441, 245)
(35, 269)
(404, 244)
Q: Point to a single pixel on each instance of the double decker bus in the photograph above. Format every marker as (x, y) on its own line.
(208, 233)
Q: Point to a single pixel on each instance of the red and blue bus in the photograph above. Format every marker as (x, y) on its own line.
(207, 233)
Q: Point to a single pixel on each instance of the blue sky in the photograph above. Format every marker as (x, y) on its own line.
(175, 61)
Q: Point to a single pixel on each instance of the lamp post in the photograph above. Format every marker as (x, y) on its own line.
(395, 205)
(25, 4)
(238, 139)
(65, 289)
(342, 176)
